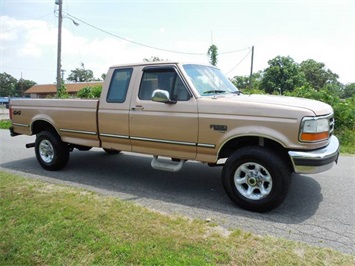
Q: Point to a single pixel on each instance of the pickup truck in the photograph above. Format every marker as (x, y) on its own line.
(188, 112)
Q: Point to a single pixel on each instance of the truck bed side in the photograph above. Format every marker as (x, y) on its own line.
(74, 120)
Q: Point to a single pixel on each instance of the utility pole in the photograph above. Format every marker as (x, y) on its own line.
(62, 70)
(251, 68)
(59, 49)
(21, 85)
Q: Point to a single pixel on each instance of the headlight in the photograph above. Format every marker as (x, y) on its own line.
(314, 129)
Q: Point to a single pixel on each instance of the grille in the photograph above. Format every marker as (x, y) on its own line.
(331, 125)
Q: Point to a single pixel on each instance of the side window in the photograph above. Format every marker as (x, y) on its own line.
(118, 86)
(162, 79)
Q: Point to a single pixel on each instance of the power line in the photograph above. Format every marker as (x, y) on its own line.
(145, 45)
(239, 63)
(25, 23)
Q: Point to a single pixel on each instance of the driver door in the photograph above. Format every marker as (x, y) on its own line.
(165, 129)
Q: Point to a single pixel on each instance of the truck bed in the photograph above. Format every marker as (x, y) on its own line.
(75, 120)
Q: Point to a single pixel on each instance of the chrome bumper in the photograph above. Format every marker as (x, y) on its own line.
(311, 162)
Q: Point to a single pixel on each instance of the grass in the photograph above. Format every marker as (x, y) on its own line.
(5, 124)
(347, 141)
(46, 224)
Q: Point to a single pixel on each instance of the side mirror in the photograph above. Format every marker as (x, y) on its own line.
(162, 96)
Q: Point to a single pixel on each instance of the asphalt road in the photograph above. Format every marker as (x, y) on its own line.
(319, 210)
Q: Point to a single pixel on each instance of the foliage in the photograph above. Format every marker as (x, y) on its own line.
(81, 75)
(153, 59)
(7, 85)
(347, 140)
(62, 92)
(213, 53)
(11, 87)
(243, 82)
(90, 92)
(5, 124)
(283, 74)
(47, 224)
(317, 75)
(349, 90)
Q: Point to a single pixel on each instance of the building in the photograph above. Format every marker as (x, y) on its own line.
(50, 90)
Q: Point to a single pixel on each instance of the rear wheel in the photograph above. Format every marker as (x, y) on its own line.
(256, 179)
(51, 153)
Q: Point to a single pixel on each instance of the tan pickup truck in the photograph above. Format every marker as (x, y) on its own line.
(188, 112)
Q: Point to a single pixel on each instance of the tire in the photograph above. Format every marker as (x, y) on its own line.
(111, 151)
(256, 179)
(51, 153)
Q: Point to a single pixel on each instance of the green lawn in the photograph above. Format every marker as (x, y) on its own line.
(47, 224)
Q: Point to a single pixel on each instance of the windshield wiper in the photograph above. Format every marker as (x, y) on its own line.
(214, 91)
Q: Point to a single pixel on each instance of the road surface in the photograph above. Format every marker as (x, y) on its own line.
(319, 209)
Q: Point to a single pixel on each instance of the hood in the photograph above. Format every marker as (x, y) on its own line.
(264, 105)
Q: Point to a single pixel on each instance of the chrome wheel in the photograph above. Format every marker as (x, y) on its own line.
(46, 151)
(253, 181)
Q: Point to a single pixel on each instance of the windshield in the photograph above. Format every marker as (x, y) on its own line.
(209, 80)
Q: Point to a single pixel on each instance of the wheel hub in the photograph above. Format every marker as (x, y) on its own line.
(253, 178)
(46, 151)
(253, 181)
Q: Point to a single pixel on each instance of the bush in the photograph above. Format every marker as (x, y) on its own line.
(90, 92)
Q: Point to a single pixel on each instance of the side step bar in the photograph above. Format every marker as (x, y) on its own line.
(171, 167)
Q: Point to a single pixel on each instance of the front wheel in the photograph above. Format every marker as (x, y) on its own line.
(256, 179)
(51, 153)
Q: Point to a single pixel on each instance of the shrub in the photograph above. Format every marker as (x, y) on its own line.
(90, 92)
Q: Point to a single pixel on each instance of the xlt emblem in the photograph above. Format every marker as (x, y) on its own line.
(219, 127)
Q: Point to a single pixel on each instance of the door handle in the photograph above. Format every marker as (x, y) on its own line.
(137, 108)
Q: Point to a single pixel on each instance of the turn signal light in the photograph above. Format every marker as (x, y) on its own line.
(314, 136)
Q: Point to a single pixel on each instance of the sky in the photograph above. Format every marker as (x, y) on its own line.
(112, 32)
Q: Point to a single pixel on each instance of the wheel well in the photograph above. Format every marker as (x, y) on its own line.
(39, 126)
(237, 143)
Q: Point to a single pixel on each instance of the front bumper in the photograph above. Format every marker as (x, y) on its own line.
(317, 161)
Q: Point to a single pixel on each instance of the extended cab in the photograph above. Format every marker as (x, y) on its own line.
(188, 112)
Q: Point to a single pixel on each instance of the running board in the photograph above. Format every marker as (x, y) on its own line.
(171, 167)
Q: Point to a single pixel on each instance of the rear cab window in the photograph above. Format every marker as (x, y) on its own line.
(117, 91)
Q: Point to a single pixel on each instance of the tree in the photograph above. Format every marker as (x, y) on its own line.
(23, 85)
(7, 85)
(213, 53)
(81, 75)
(349, 90)
(243, 82)
(153, 59)
(283, 74)
(317, 75)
